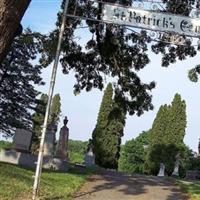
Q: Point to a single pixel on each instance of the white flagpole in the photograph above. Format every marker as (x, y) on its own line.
(50, 95)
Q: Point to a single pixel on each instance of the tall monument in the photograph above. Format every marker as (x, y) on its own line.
(199, 148)
(63, 141)
(50, 140)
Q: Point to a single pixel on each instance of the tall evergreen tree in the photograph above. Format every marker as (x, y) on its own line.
(108, 131)
(160, 124)
(38, 117)
(102, 121)
(113, 134)
(157, 148)
(177, 124)
(17, 78)
(55, 109)
(38, 120)
(167, 135)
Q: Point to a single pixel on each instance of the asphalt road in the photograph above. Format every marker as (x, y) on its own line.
(118, 186)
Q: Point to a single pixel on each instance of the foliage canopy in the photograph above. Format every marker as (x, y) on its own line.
(17, 76)
(114, 51)
(166, 135)
(133, 154)
(106, 137)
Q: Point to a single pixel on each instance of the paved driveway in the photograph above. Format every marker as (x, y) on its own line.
(118, 186)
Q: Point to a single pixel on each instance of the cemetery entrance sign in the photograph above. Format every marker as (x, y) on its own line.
(151, 20)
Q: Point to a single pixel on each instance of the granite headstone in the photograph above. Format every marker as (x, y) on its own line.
(89, 158)
(50, 140)
(176, 169)
(22, 140)
(162, 170)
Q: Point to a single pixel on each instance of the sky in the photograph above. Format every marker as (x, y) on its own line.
(82, 110)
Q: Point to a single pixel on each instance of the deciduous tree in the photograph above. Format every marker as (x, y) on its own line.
(112, 51)
(133, 154)
(11, 13)
(115, 51)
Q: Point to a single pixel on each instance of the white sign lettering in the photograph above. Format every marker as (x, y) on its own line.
(151, 20)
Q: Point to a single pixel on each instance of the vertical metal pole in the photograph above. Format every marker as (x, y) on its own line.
(50, 95)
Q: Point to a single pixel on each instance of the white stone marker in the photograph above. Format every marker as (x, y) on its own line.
(162, 170)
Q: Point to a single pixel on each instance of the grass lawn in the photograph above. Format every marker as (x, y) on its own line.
(16, 183)
(4, 144)
(76, 157)
(191, 187)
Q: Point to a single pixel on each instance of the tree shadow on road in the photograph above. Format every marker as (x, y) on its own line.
(131, 185)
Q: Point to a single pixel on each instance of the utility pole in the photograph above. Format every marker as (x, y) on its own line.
(50, 95)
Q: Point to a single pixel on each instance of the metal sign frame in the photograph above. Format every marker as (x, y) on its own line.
(151, 20)
(172, 36)
(39, 163)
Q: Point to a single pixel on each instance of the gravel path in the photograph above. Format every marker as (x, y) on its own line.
(119, 186)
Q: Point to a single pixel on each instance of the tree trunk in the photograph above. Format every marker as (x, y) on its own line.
(11, 13)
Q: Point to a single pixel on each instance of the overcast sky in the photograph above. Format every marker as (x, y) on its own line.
(82, 110)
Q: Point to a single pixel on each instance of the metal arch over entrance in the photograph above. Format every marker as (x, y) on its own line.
(149, 15)
(151, 20)
(125, 16)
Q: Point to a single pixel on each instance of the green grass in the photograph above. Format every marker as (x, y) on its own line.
(4, 144)
(191, 187)
(16, 183)
(76, 157)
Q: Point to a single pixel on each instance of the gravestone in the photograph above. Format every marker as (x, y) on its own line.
(55, 164)
(19, 154)
(50, 139)
(63, 142)
(193, 175)
(162, 170)
(89, 158)
(22, 140)
(176, 169)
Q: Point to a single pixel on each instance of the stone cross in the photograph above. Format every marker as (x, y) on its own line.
(63, 141)
(162, 170)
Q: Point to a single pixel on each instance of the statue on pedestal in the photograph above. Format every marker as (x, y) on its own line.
(63, 141)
